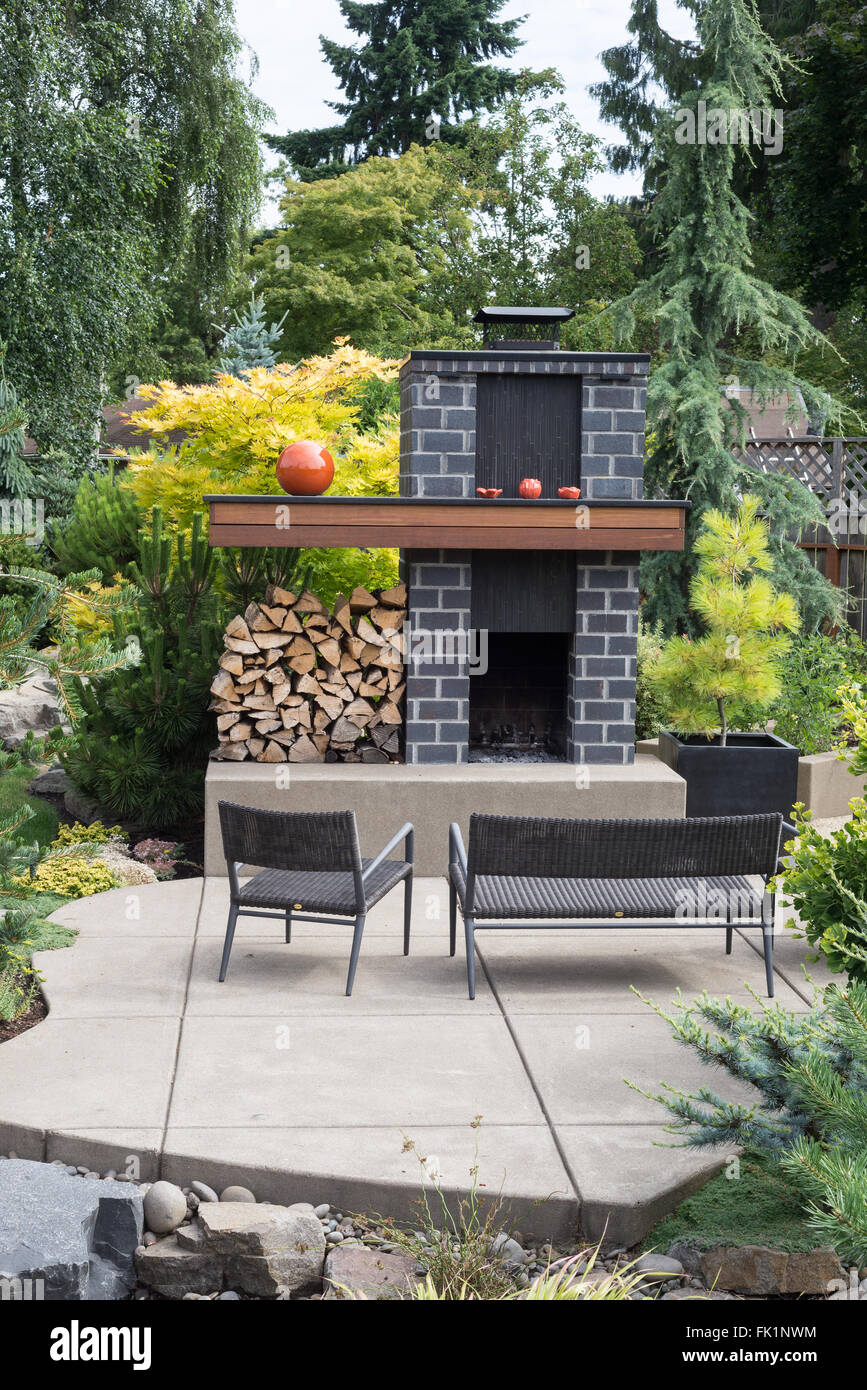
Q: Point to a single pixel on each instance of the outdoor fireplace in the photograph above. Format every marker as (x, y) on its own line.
(559, 625)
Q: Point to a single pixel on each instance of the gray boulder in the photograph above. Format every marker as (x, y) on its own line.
(78, 1237)
(31, 705)
(54, 781)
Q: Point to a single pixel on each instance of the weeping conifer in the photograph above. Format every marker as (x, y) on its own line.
(719, 324)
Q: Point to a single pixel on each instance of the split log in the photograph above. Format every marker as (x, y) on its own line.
(303, 683)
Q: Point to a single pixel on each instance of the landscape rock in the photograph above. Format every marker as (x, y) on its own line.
(237, 1194)
(264, 1248)
(54, 781)
(352, 1270)
(203, 1192)
(165, 1207)
(31, 705)
(761, 1272)
(172, 1271)
(83, 808)
(79, 1237)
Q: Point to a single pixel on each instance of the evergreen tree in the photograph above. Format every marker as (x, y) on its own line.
(733, 670)
(718, 322)
(102, 532)
(654, 69)
(142, 745)
(249, 342)
(417, 59)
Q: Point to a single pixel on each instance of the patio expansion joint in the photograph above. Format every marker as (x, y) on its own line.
(796, 988)
(182, 1020)
(555, 1138)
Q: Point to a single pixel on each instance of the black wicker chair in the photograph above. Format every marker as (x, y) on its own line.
(616, 874)
(311, 864)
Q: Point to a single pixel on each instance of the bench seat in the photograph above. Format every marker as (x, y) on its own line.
(691, 900)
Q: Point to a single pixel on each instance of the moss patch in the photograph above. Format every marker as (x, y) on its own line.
(757, 1208)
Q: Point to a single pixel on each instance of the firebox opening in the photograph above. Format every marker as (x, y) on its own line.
(518, 706)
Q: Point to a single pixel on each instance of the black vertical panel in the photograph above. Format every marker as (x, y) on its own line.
(528, 427)
(524, 590)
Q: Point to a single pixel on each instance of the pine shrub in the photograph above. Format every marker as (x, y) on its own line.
(810, 1115)
(142, 744)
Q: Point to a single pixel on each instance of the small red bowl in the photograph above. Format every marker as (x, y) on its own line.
(572, 493)
(489, 491)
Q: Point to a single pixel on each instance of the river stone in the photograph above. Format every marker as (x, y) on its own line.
(79, 1237)
(759, 1271)
(658, 1267)
(351, 1270)
(237, 1194)
(263, 1247)
(203, 1192)
(165, 1207)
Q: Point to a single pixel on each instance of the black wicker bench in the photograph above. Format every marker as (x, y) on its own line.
(617, 874)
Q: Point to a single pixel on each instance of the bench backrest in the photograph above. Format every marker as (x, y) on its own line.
(518, 846)
(317, 841)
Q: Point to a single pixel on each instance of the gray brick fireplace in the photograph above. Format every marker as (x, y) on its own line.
(487, 419)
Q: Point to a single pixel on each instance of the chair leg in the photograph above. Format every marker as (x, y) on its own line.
(288, 927)
(227, 944)
(470, 935)
(453, 917)
(356, 947)
(768, 943)
(729, 935)
(407, 911)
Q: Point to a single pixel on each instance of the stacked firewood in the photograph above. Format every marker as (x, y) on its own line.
(300, 684)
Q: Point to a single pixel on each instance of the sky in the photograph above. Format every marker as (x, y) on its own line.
(295, 80)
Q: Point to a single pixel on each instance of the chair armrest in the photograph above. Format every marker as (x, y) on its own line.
(789, 832)
(457, 853)
(406, 832)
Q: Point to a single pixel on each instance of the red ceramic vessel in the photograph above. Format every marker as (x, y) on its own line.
(573, 493)
(529, 487)
(305, 468)
(489, 491)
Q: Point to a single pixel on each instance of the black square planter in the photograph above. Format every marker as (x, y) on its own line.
(752, 774)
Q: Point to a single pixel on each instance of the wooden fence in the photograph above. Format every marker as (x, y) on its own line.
(836, 471)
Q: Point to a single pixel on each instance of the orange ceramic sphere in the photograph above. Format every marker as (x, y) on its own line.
(305, 468)
(529, 487)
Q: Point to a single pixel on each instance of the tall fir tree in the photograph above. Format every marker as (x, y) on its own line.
(15, 475)
(719, 323)
(417, 59)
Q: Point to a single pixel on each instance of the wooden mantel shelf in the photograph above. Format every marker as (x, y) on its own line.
(423, 523)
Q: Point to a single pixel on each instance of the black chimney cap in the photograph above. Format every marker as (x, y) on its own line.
(499, 313)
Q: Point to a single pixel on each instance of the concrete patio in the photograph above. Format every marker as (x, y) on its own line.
(276, 1080)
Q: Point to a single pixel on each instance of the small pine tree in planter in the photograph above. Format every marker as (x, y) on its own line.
(730, 675)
